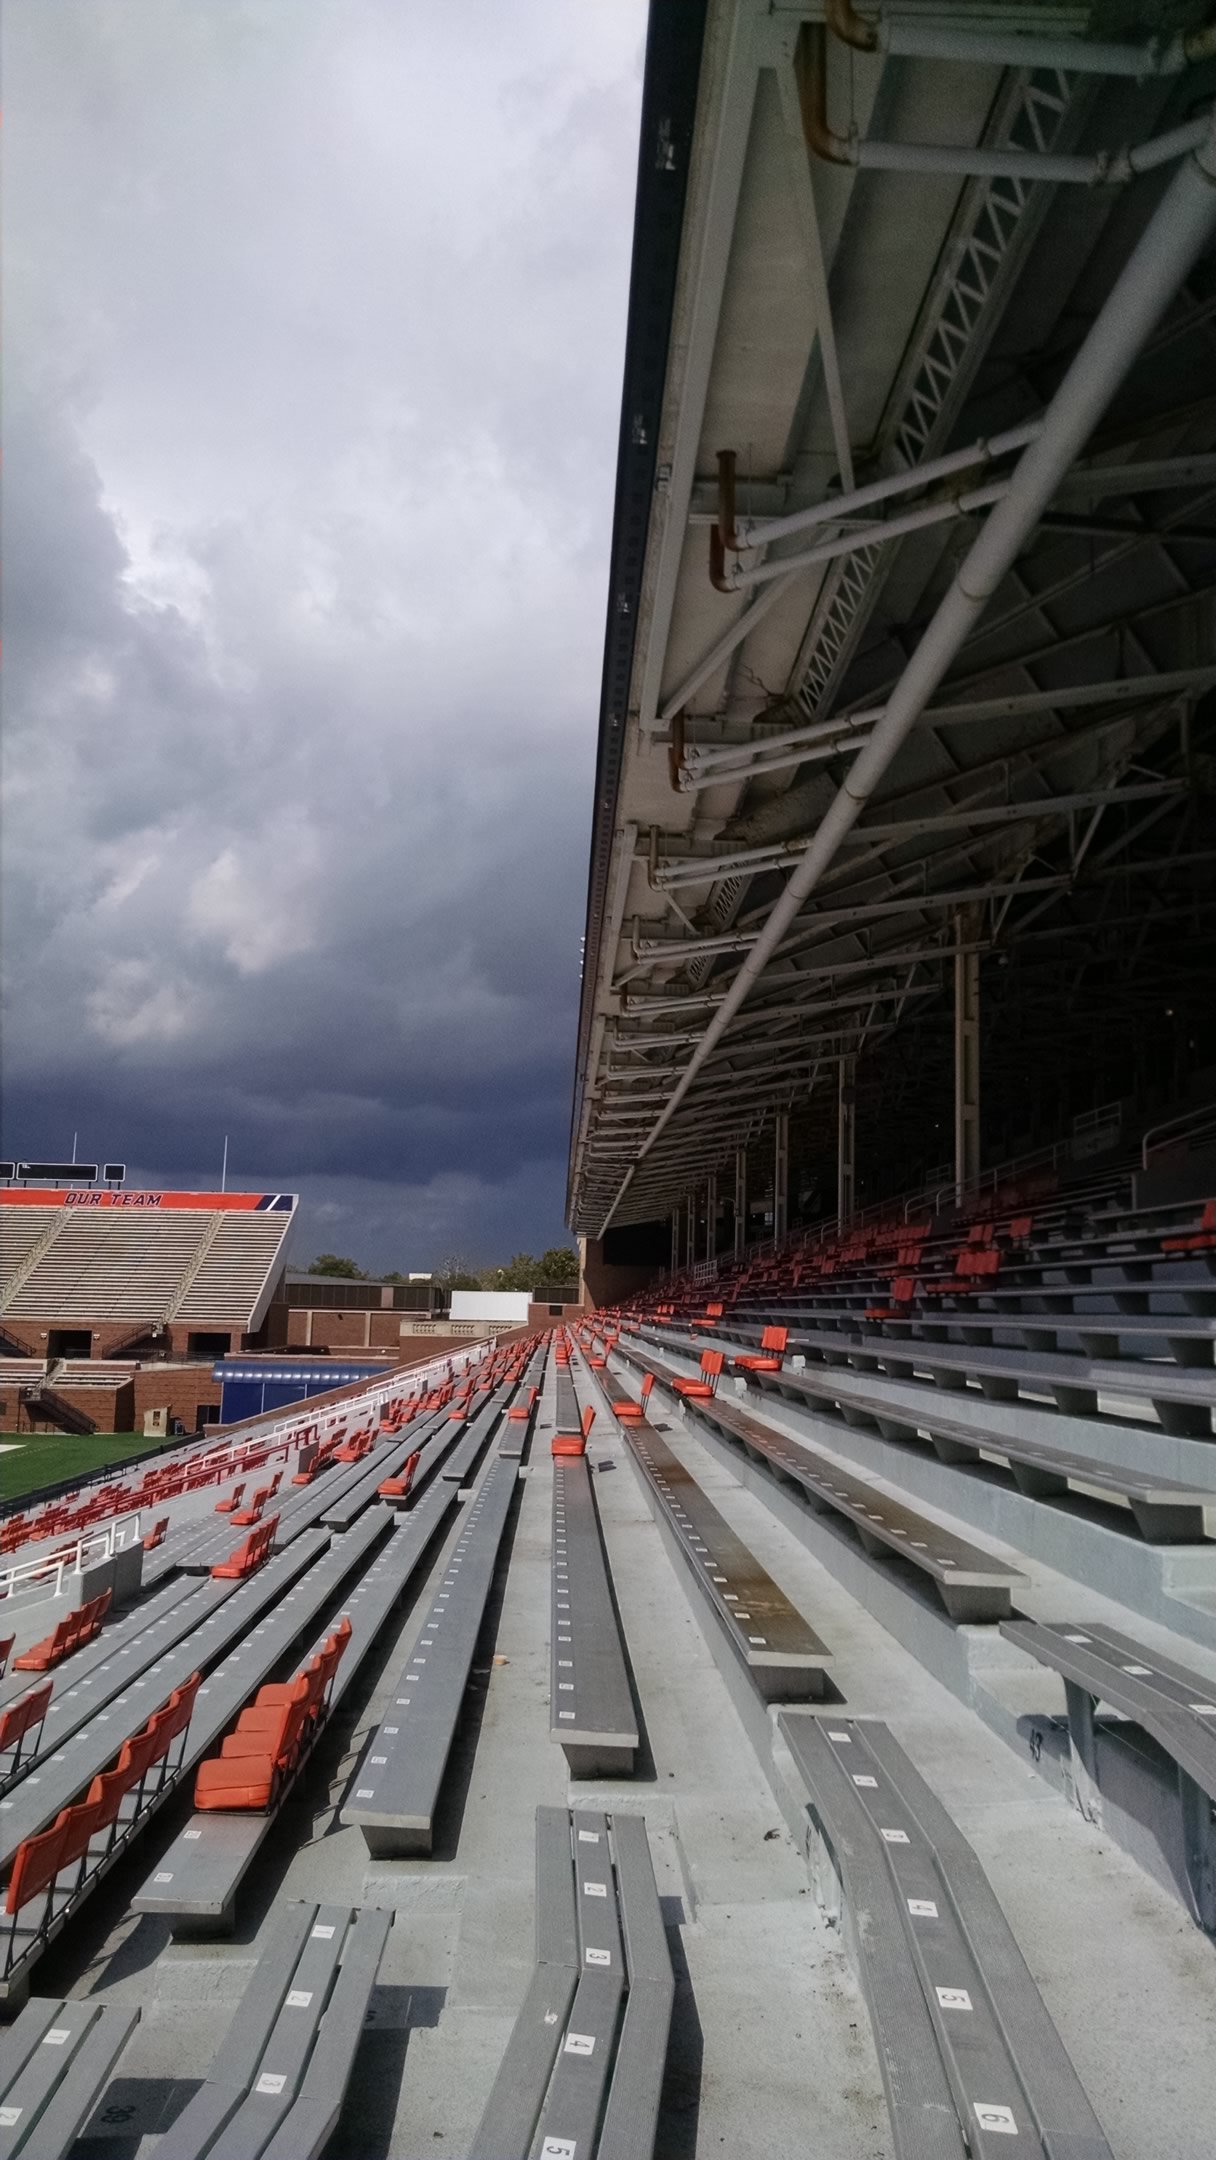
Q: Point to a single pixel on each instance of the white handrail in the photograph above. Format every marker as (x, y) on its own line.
(71, 1559)
(1182, 1127)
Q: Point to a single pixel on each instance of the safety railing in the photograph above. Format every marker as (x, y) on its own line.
(1181, 1131)
(87, 1552)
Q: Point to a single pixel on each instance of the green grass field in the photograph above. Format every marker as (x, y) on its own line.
(44, 1458)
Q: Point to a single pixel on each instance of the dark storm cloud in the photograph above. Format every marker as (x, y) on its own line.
(315, 313)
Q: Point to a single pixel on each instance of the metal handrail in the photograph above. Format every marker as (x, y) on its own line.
(70, 1559)
(1183, 1127)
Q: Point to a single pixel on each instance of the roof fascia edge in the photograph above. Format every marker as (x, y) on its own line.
(670, 88)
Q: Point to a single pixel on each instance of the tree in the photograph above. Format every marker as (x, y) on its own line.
(456, 1273)
(558, 1265)
(521, 1272)
(332, 1263)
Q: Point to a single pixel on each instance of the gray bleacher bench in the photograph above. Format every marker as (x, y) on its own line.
(55, 2062)
(394, 1795)
(317, 1572)
(591, 1713)
(970, 2059)
(750, 1620)
(473, 1440)
(568, 1416)
(35, 1801)
(972, 1584)
(1175, 1707)
(1164, 1509)
(276, 2087)
(1182, 1396)
(577, 2078)
(195, 1884)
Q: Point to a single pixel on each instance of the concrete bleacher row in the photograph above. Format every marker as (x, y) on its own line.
(583, 2056)
(98, 1264)
(211, 1635)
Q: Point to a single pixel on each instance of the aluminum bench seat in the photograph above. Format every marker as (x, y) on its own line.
(394, 1795)
(1164, 1509)
(35, 1801)
(750, 1619)
(55, 2062)
(568, 1416)
(591, 1712)
(973, 1585)
(280, 2074)
(195, 1884)
(1177, 1708)
(971, 2062)
(577, 2077)
(1183, 1396)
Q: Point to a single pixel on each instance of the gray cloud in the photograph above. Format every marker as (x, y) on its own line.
(315, 313)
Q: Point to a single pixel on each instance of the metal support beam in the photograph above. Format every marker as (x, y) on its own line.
(690, 1238)
(781, 1174)
(966, 1054)
(694, 334)
(1174, 237)
(675, 1239)
(711, 1215)
(740, 1201)
(846, 1141)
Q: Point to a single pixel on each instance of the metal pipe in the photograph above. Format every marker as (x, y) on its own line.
(1168, 247)
(880, 530)
(725, 761)
(1072, 56)
(1103, 168)
(758, 532)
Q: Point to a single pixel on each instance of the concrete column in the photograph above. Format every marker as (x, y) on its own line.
(966, 1053)
(711, 1216)
(740, 1201)
(781, 1174)
(846, 1141)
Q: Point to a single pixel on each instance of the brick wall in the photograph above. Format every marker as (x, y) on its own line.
(181, 1389)
(111, 1336)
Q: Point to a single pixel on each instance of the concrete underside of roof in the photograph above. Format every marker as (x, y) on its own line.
(1061, 823)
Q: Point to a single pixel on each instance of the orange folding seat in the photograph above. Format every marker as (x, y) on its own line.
(1201, 1240)
(712, 1362)
(770, 1354)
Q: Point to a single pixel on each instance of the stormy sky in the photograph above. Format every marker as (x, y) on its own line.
(314, 320)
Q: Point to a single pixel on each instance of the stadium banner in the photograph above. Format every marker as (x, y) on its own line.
(246, 1203)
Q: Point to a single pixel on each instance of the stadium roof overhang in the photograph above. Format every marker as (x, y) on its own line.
(883, 334)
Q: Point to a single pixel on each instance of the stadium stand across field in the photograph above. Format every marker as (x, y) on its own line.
(772, 1709)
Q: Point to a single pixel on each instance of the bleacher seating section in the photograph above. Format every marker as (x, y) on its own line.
(193, 1264)
(829, 1380)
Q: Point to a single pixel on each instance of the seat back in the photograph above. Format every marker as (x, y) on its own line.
(712, 1362)
(774, 1338)
(21, 1716)
(36, 1863)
